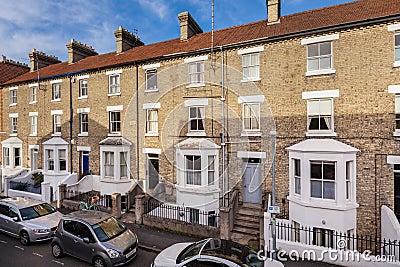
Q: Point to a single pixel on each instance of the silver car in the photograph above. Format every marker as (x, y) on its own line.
(96, 237)
(208, 252)
(28, 219)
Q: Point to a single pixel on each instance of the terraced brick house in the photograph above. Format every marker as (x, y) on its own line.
(195, 116)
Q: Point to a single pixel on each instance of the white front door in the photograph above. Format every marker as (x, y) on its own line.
(251, 181)
(34, 159)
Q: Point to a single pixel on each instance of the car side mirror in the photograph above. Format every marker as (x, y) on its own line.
(86, 240)
(15, 219)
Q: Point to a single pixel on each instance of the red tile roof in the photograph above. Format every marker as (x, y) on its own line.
(348, 13)
(9, 71)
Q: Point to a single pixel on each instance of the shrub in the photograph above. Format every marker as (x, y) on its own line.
(37, 178)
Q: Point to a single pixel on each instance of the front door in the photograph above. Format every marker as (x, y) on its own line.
(251, 181)
(152, 170)
(34, 159)
(85, 162)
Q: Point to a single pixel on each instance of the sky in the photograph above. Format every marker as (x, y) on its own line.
(48, 25)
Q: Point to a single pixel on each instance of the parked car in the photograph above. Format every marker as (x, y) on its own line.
(96, 237)
(28, 219)
(208, 252)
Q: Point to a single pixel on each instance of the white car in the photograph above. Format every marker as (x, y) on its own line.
(206, 253)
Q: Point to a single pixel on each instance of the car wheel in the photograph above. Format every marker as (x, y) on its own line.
(99, 262)
(56, 250)
(24, 238)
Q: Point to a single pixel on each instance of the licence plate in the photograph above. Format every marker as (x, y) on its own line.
(130, 253)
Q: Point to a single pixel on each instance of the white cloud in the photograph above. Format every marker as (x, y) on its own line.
(158, 7)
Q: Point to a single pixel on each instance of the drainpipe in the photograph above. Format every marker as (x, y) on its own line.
(71, 80)
(137, 122)
(223, 127)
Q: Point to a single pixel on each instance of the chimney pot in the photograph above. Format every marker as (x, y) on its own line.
(78, 51)
(40, 60)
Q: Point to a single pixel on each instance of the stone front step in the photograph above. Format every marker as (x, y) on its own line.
(247, 224)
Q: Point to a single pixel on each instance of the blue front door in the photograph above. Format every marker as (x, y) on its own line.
(85, 162)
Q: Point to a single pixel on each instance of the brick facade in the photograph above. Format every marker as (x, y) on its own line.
(364, 118)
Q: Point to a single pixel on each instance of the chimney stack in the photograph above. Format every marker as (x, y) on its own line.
(126, 40)
(78, 51)
(188, 26)
(274, 11)
(40, 60)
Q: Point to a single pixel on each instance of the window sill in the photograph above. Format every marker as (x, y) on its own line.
(250, 80)
(56, 134)
(199, 133)
(194, 85)
(320, 72)
(198, 189)
(248, 133)
(114, 180)
(13, 104)
(151, 134)
(396, 133)
(33, 135)
(114, 134)
(115, 94)
(14, 134)
(396, 64)
(83, 97)
(151, 90)
(56, 100)
(329, 134)
(83, 134)
(33, 102)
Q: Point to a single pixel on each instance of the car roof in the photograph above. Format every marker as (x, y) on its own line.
(21, 202)
(90, 216)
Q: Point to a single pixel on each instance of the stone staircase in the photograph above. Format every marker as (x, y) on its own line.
(247, 224)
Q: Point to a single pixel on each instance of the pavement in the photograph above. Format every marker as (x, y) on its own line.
(153, 239)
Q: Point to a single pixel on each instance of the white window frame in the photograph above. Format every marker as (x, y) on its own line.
(82, 123)
(109, 162)
(49, 160)
(252, 65)
(62, 158)
(349, 179)
(152, 75)
(33, 119)
(296, 176)
(13, 97)
(323, 180)
(397, 49)
(253, 115)
(14, 125)
(327, 118)
(151, 125)
(33, 94)
(57, 123)
(83, 88)
(196, 181)
(211, 169)
(202, 118)
(196, 61)
(326, 95)
(395, 28)
(6, 156)
(114, 84)
(56, 91)
(319, 40)
(112, 123)
(123, 165)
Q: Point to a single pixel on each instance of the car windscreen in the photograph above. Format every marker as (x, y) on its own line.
(36, 211)
(232, 251)
(108, 229)
(190, 251)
